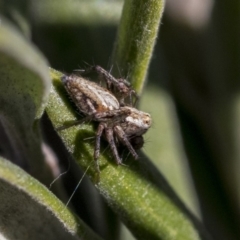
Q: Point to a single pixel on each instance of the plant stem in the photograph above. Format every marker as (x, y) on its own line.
(136, 38)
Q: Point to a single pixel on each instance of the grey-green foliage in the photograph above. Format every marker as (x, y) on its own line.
(138, 193)
(24, 89)
(28, 209)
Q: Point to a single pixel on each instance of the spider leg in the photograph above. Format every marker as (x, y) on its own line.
(130, 94)
(110, 139)
(123, 138)
(112, 113)
(74, 123)
(120, 84)
(99, 133)
(134, 103)
(103, 75)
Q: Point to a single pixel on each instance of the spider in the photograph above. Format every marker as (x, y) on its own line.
(120, 87)
(118, 123)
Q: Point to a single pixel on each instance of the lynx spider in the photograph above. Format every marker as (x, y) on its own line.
(119, 122)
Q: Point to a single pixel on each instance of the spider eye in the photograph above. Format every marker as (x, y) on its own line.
(147, 121)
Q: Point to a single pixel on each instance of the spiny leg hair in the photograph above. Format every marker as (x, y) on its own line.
(123, 138)
(109, 133)
(122, 85)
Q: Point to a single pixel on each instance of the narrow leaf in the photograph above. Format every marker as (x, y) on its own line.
(29, 210)
(136, 38)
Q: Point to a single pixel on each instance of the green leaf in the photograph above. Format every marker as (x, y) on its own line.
(136, 38)
(24, 86)
(137, 192)
(29, 210)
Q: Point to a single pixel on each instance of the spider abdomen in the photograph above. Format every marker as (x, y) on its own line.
(88, 96)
